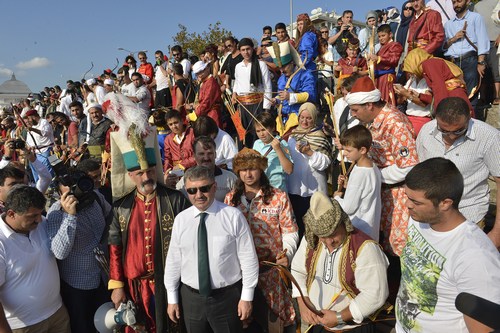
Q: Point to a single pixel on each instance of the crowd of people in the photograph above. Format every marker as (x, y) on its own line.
(353, 163)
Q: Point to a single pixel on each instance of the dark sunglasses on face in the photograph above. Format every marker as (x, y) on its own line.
(175, 54)
(408, 8)
(457, 132)
(202, 189)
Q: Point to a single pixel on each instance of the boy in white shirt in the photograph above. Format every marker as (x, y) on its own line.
(362, 200)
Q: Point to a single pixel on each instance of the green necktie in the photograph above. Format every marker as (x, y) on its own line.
(203, 262)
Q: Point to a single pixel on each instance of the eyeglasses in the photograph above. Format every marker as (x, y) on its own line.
(228, 46)
(176, 54)
(456, 133)
(324, 32)
(408, 8)
(202, 189)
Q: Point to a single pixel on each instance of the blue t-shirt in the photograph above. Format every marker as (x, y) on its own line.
(277, 177)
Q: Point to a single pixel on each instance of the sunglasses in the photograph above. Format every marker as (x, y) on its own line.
(408, 8)
(202, 189)
(324, 32)
(228, 46)
(176, 54)
(457, 132)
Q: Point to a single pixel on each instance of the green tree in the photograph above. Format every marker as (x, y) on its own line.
(194, 43)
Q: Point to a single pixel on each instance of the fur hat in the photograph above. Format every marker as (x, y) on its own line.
(323, 217)
(249, 159)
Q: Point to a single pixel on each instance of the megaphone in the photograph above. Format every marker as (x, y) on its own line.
(107, 318)
(104, 318)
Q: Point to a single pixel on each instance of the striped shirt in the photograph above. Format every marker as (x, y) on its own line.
(476, 154)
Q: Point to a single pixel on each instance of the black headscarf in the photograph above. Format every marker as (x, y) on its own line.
(255, 73)
(402, 32)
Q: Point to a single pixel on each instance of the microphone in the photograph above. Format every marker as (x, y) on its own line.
(480, 309)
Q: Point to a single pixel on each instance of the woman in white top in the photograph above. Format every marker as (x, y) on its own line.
(311, 152)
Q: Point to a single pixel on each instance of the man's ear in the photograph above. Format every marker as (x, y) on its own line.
(446, 204)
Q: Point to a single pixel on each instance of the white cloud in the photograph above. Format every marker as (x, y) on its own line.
(36, 62)
(5, 71)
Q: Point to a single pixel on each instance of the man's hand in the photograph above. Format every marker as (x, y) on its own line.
(8, 148)
(170, 179)
(118, 297)
(174, 312)
(68, 203)
(284, 95)
(329, 318)
(244, 309)
(481, 69)
(307, 315)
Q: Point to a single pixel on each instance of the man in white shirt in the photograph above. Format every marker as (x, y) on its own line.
(473, 146)
(212, 253)
(445, 255)
(29, 278)
(41, 138)
(225, 146)
(142, 95)
(204, 154)
(252, 88)
(177, 54)
(161, 81)
(331, 245)
(97, 89)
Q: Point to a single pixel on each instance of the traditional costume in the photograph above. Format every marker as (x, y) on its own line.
(209, 96)
(394, 152)
(252, 86)
(307, 44)
(350, 65)
(426, 32)
(273, 228)
(344, 278)
(301, 85)
(444, 78)
(385, 70)
(139, 235)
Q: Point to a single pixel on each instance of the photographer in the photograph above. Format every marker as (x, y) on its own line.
(44, 176)
(76, 224)
(343, 33)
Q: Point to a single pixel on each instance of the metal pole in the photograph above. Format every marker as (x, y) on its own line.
(291, 19)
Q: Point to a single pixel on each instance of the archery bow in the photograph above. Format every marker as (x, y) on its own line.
(289, 275)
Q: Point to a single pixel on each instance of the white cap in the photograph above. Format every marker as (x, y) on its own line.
(109, 82)
(199, 67)
(90, 82)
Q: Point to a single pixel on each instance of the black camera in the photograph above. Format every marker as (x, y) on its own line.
(79, 183)
(18, 144)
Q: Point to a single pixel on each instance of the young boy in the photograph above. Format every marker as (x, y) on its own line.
(386, 60)
(362, 201)
(178, 146)
(352, 63)
(279, 161)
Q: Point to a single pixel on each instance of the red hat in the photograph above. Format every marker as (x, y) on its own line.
(303, 17)
(31, 113)
(363, 91)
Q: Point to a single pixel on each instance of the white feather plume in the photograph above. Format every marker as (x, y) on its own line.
(123, 112)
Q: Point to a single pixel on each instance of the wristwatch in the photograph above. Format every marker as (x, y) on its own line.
(340, 321)
(481, 63)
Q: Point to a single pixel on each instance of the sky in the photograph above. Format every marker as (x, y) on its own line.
(45, 43)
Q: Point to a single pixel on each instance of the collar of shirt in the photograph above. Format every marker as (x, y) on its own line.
(212, 210)
(178, 139)
(246, 202)
(463, 18)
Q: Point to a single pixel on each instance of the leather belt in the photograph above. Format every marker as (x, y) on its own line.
(466, 55)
